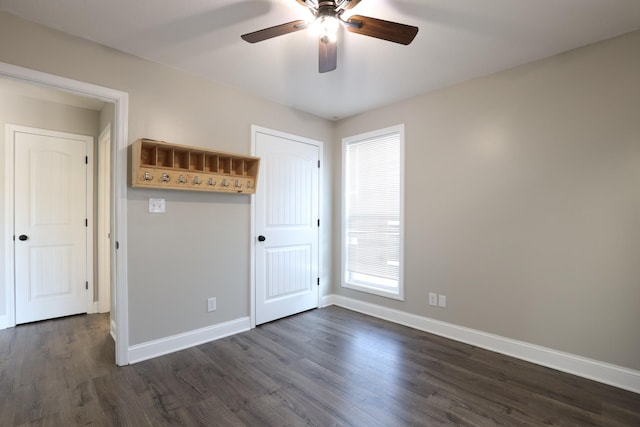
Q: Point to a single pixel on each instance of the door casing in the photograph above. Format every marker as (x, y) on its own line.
(103, 266)
(120, 136)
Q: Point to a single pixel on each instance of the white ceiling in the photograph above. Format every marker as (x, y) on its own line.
(458, 40)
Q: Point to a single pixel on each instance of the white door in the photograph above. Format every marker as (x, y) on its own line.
(50, 225)
(287, 226)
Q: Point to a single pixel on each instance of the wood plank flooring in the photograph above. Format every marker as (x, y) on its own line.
(329, 367)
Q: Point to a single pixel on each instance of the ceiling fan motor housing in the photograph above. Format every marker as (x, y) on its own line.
(327, 8)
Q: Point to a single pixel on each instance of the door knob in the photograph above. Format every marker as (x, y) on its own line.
(261, 238)
(23, 237)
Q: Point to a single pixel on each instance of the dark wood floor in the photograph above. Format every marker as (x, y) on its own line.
(328, 367)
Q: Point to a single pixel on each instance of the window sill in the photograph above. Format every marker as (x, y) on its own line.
(399, 295)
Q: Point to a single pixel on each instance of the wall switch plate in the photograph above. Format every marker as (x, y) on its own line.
(433, 298)
(211, 304)
(157, 205)
(442, 300)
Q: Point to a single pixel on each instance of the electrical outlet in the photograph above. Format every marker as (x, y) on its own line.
(433, 298)
(211, 304)
(442, 301)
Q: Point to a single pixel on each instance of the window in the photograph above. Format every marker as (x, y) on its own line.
(372, 215)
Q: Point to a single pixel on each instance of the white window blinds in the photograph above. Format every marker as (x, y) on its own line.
(372, 217)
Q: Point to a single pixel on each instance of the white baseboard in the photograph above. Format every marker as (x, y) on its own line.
(159, 347)
(112, 329)
(4, 323)
(331, 299)
(617, 376)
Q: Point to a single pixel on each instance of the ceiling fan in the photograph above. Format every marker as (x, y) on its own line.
(327, 18)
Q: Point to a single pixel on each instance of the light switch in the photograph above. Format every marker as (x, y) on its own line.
(157, 205)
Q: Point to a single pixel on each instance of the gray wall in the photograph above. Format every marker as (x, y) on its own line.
(522, 194)
(523, 202)
(200, 247)
(107, 116)
(20, 110)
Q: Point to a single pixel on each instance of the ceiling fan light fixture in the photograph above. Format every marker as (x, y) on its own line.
(325, 27)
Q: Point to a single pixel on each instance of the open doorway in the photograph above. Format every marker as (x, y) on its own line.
(110, 247)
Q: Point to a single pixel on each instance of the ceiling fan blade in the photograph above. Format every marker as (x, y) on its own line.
(351, 4)
(328, 55)
(385, 30)
(278, 30)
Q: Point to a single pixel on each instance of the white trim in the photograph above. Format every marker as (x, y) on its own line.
(252, 242)
(119, 259)
(329, 300)
(162, 346)
(9, 281)
(112, 329)
(362, 287)
(103, 253)
(3, 321)
(10, 134)
(119, 181)
(617, 376)
(323, 222)
(252, 279)
(91, 227)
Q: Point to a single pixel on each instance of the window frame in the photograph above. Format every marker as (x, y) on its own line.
(346, 142)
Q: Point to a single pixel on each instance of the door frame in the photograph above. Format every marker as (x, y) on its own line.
(119, 277)
(252, 238)
(103, 256)
(9, 195)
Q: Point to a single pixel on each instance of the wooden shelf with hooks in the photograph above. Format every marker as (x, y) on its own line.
(159, 164)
